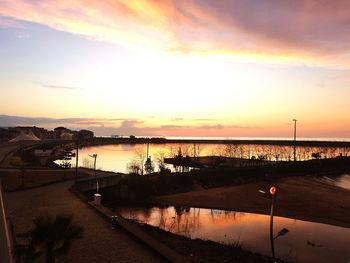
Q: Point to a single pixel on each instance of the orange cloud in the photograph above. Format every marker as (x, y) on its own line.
(303, 32)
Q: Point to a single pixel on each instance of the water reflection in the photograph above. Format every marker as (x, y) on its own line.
(305, 241)
(116, 157)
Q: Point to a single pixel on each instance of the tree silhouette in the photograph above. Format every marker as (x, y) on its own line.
(53, 236)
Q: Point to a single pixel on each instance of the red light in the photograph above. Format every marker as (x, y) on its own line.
(273, 190)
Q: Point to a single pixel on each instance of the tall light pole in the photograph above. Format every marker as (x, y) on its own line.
(97, 196)
(76, 162)
(95, 157)
(295, 137)
(273, 193)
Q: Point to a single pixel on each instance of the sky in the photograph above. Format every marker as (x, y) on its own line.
(177, 68)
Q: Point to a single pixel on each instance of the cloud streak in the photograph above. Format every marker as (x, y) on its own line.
(301, 31)
(57, 86)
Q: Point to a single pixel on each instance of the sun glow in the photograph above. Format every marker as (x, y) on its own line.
(196, 68)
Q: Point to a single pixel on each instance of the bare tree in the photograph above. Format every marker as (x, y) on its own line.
(160, 155)
(134, 166)
(140, 156)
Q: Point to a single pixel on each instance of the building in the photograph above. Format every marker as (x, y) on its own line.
(85, 135)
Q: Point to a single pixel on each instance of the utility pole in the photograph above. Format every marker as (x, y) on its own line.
(295, 138)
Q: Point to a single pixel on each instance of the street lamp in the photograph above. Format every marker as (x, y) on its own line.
(295, 137)
(272, 194)
(76, 162)
(97, 196)
(95, 157)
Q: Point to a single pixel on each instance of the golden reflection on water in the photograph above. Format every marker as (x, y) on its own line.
(305, 241)
(116, 157)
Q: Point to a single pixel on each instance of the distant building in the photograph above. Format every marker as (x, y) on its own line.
(60, 130)
(6, 134)
(40, 133)
(34, 133)
(66, 136)
(25, 137)
(85, 135)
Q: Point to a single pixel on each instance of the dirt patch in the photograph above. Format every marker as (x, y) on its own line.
(305, 198)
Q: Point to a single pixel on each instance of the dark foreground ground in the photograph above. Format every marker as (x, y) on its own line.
(99, 243)
(205, 251)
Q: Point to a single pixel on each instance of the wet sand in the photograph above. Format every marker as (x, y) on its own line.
(305, 198)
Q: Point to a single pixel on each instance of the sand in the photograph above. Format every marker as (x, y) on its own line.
(306, 198)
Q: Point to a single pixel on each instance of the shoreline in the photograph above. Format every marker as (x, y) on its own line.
(97, 141)
(303, 198)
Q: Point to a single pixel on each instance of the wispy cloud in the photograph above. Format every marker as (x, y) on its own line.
(301, 31)
(56, 86)
(177, 119)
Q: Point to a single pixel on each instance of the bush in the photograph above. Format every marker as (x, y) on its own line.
(136, 187)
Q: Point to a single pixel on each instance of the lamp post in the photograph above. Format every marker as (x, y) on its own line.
(95, 157)
(76, 162)
(97, 196)
(295, 138)
(273, 193)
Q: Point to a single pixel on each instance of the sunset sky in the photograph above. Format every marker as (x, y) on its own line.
(177, 67)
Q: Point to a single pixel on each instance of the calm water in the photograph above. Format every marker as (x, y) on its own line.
(305, 242)
(116, 157)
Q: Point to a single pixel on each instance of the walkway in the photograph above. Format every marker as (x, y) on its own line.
(99, 243)
(5, 149)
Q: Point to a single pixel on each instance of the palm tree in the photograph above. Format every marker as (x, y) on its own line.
(53, 236)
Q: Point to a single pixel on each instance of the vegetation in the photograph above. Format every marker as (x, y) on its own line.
(135, 187)
(164, 182)
(27, 158)
(50, 237)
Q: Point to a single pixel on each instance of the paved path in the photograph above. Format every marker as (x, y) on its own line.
(5, 149)
(99, 243)
(5, 243)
